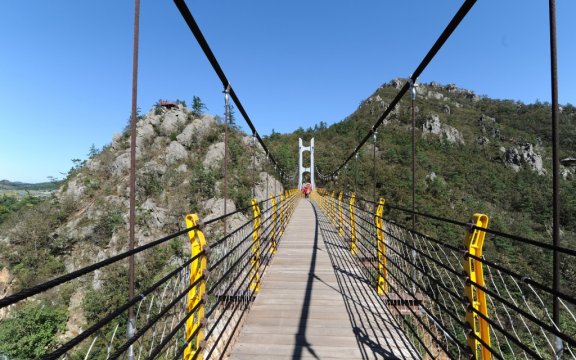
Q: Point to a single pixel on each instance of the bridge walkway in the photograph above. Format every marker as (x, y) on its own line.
(315, 304)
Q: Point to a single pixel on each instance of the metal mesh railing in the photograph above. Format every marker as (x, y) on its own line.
(426, 289)
(163, 308)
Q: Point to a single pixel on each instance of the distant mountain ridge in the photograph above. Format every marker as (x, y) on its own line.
(17, 185)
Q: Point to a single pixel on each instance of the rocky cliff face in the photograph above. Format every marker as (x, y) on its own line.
(446, 133)
(445, 123)
(179, 171)
(174, 149)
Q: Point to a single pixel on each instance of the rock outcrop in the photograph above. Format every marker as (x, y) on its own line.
(178, 154)
(524, 155)
(489, 127)
(447, 133)
(214, 155)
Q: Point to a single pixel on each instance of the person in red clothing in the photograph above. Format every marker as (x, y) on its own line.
(306, 189)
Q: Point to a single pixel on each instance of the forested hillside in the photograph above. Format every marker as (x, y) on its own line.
(473, 154)
(180, 155)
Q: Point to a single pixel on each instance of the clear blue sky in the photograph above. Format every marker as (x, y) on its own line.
(65, 66)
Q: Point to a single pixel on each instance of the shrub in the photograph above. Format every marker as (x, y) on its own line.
(108, 222)
(30, 333)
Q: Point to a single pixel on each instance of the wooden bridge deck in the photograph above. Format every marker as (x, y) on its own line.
(314, 305)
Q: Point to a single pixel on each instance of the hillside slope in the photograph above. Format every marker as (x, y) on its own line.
(474, 154)
(179, 171)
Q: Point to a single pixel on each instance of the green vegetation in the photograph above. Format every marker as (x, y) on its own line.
(46, 234)
(469, 178)
(45, 186)
(198, 107)
(88, 217)
(10, 204)
(31, 330)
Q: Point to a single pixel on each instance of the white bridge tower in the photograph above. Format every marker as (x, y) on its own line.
(301, 168)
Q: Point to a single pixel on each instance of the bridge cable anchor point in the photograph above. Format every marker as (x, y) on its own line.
(200, 225)
(207, 249)
(470, 226)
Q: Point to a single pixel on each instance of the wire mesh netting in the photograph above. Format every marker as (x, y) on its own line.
(425, 282)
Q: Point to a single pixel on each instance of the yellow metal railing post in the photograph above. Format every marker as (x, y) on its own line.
(340, 215)
(196, 294)
(478, 326)
(382, 286)
(274, 225)
(255, 261)
(352, 225)
(282, 214)
(333, 212)
(323, 196)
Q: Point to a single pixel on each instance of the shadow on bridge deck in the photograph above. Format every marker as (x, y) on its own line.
(316, 304)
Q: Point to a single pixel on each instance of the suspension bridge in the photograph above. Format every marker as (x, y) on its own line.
(330, 276)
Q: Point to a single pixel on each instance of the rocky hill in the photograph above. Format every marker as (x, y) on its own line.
(474, 154)
(179, 171)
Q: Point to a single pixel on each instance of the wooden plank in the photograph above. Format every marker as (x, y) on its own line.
(313, 304)
(288, 351)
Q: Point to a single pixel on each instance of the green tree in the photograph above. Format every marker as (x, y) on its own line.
(231, 116)
(93, 151)
(198, 107)
(30, 333)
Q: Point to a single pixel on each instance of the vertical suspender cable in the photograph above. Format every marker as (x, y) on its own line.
(266, 193)
(132, 215)
(253, 165)
(458, 17)
(556, 173)
(374, 164)
(356, 174)
(413, 93)
(226, 122)
(187, 15)
(413, 101)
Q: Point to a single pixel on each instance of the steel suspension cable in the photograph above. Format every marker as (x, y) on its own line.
(447, 268)
(175, 330)
(226, 121)
(179, 353)
(154, 320)
(264, 250)
(521, 239)
(524, 279)
(448, 290)
(429, 313)
(374, 133)
(166, 340)
(413, 98)
(555, 168)
(132, 210)
(23, 294)
(187, 15)
(111, 316)
(550, 328)
(458, 17)
(237, 261)
(14, 298)
(422, 271)
(527, 280)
